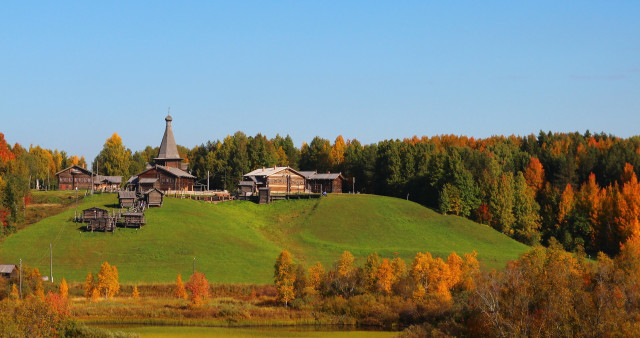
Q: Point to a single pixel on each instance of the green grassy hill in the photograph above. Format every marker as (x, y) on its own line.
(238, 241)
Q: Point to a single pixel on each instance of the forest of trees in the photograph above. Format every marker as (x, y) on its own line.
(581, 189)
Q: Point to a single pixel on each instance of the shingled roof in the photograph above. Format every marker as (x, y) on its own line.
(168, 147)
(328, 176)
(75, 169)
(107, 179)
(7, 268)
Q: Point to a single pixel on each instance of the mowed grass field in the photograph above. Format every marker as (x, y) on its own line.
(238, 241)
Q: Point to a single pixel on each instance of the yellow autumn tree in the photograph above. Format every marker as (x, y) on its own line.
(95, 295)
(180, 291)
(15, 294)
(385, 276)
(336, 154)
(114, 159)
(284, 277)
(470, 269)
(431, 276)
(64, 289)
(346, 274)
(281, 156)
(108, 284)
(135, 294)
(316, 276)
(455, 264)
(420, 273)
(371, 272)
(89, 285)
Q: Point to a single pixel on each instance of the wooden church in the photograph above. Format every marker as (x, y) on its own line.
(168, 173)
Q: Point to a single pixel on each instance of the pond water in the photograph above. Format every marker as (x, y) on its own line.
(263, 331)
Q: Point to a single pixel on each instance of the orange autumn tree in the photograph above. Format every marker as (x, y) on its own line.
(566, 205)
(199, 287)
(628, 204)
(64, 289)
(455, 264)
(534, 174)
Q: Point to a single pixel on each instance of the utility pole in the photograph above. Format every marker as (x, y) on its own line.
(353, 190)
(51, 262)
(20, 278)
(194, 265)
(76, 204)
(207, 180)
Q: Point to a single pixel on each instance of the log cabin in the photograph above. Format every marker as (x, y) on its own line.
(74, 177)
(278, 179)
(153, 197)
(94, 213)
(107, 183)
(8, 270)
(127, 199)
(132, 219)
(329, 183)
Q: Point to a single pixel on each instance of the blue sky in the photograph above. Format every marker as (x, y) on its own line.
(73, 73)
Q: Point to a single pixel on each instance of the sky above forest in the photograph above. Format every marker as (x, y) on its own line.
(73, 73)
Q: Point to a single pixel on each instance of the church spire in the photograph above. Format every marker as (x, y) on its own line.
(168, 147)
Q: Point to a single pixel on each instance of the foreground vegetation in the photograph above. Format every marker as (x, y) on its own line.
(546, 292)
(236, 241)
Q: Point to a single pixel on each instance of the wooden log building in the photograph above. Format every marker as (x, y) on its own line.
(127, 199)
(153, 197)
(278, 179)
(8, 271)
(74, 177)
(107, 183)
(98, 219)
(329, 183)
(132, 219)
(168, 171)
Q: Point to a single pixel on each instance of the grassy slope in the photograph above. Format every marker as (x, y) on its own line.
(238, 241)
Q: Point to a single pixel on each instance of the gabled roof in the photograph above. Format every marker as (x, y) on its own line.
(108, 179)
(307, 174)
(7, 268)
(94, 208)
(152, 189)
(127, 194)
(146, 180)
(75, 169)
(176, 172)
(132, 180)
(265, 172)
(173, 171)
(168, 147)
(328, 176)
